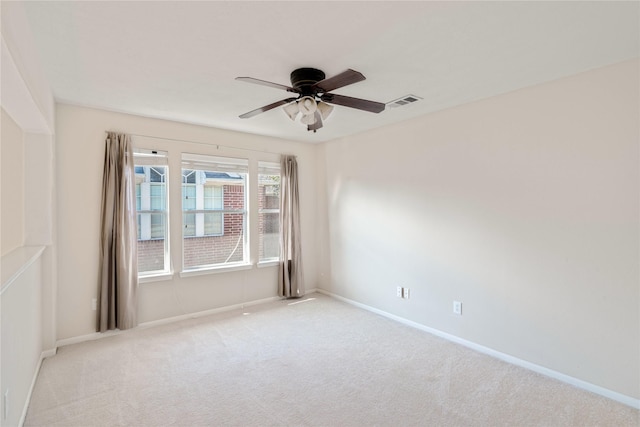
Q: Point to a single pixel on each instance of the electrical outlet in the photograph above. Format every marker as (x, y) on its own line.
(399, 291)
(457, 308)
(406, 293)
(94, 304)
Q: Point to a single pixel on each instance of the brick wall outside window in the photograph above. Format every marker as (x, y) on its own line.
(219, 249)
(150, 255)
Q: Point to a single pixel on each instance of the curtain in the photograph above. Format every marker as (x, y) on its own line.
(118, 287)
(290, 281)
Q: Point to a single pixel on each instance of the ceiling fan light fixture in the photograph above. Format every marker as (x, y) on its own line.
(292, 110)
(308, 119)
(307, 105)
(325, 109)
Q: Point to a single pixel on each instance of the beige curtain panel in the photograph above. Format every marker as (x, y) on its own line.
(118, 287)
(290, 279)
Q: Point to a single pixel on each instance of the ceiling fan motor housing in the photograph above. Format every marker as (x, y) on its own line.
(303, 79)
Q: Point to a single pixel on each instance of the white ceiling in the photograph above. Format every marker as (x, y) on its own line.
(178, 60)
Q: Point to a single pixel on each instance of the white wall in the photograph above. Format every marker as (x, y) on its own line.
(24, 85)
(12, 182)
(27, 297)
(524, 207)
(21, 325)
(80, 153)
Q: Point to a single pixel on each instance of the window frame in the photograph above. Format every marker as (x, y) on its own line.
(266, 168)
(148, 159)
(251, 223)
(217, 164)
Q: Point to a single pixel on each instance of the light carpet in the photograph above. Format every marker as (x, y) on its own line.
(310, 362)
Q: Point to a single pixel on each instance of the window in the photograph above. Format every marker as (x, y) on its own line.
(214, 215)
(152, 211)
(269, 211)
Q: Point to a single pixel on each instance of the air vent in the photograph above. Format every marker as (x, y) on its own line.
(405, 100)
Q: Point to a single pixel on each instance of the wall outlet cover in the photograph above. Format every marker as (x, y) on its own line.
(457, 307)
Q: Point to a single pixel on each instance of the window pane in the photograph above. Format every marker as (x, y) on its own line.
(151, 255)
(152, 215)
(269, 215)
(151, 251)
(270, 235)
(221, 249)
(157, 225)
(213, 224)
(210, 237)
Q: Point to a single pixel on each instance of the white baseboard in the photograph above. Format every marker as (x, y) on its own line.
(49, 353)
(206, 312)
(99, 335)
(43, 355)
(88, 337)
(610, 394)
(214, 311)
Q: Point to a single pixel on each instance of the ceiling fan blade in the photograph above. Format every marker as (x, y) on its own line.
(266, 108)
(318, 123)
(347, 101)
(343, 79)
(266, 83)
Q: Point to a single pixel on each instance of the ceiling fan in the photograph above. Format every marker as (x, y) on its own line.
(313, 96)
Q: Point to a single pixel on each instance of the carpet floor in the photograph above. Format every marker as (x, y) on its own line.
(310, 362)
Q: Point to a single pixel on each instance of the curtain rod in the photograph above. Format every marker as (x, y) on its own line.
(201, 143)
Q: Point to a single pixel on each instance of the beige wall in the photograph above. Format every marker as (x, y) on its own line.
(80, 134)
(524, 207)
(12, 182)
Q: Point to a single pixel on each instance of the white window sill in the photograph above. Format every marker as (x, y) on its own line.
(155, 277)
(215, 270)
(264, 264)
